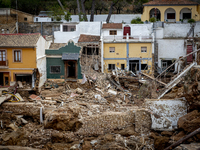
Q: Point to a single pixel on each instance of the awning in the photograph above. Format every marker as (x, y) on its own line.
(70, 56)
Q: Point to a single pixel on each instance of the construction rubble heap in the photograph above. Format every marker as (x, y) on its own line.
(118, 110)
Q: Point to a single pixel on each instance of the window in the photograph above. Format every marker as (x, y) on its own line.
(170, 15)
(111, 66)
(113, 32)
(37, 19)
(25, 19)
(91, 50)
(2, 57)
(144, 67)
(186, 15)
(55, 69)
(167, 63)
(164, 64)
(111, 49)
(122, 66)
(69, 28)
(17, 56)
(65, 28)
(143, 49)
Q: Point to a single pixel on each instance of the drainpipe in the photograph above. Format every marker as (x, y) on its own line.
(41, 28)
(102, 62)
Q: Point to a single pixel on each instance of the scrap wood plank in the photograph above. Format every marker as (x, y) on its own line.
(183, 139)
(154, 79)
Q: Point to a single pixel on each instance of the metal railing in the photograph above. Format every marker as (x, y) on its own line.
(129, 38)
(4, 64)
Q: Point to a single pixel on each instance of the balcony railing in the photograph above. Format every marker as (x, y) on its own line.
(3, 64)
(127, 38)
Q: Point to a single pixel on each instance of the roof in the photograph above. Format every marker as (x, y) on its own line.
(112, 26)
(169, 2)
(19, 40)
(45, 13)
(70, 56)
(57, 45)
(88, 38)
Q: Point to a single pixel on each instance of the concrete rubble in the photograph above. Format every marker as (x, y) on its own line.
(118, 110)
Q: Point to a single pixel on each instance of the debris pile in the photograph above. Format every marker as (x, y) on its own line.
(103, 111)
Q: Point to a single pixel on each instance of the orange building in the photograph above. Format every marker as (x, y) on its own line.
(21, 57)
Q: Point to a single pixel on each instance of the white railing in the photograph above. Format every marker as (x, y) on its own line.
(127, 38)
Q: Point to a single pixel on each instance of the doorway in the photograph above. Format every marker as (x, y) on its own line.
(1, 79)
(134, 65)
(71, 69)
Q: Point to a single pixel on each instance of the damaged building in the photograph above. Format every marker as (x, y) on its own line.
(127, 46)
(63, 62)
(22, 58)
(90, 53)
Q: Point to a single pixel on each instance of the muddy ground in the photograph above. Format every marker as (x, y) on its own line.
(96, 115)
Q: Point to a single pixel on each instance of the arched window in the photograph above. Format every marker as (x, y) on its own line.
(170, 15)
(185, 13)
(155, 13)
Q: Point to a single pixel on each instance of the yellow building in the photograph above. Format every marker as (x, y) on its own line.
(171, 10)
(122, 49)
(21, 57)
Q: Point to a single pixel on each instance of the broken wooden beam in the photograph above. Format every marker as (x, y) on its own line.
(183, 139)
(155, 79)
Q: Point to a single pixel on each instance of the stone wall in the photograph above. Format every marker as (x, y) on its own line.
(47, 28)
(7, 19)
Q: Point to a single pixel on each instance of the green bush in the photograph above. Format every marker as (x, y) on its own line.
(191, 21)
(68, 16)
(58, 18)
(152, 19)
(137, 21)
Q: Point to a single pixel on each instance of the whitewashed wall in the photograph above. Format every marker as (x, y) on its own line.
(176, 30)
(41, 65)
(42, 44)
(140, 29)
(170, 48)
(106, 32)
(89, 28)
(115, 18)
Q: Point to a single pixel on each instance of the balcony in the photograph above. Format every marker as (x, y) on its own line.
(114, 38)
(4, 64)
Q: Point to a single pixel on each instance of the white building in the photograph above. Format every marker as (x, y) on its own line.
(72, 31)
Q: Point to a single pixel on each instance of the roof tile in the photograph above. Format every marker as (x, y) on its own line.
(19, 40)
(170, 2)
(88, 38)
(112, 26)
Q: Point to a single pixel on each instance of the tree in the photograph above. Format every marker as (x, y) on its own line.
(92, 11)
(113, 3)
(138, 6)
(5, 3)
(83, 10)
(100, 5)
(72, 5)
(120, 5)
(57, 12)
